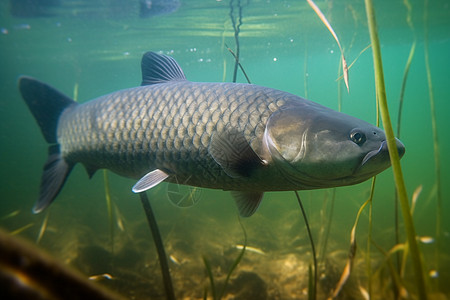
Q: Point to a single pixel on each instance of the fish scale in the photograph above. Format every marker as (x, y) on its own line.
(154, 127)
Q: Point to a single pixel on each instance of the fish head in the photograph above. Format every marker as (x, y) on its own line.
(317, 147)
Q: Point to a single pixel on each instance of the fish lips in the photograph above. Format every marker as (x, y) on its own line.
(378, 160)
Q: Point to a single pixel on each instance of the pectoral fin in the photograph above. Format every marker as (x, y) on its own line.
(247, 202)
(149, 180)
(231, 150)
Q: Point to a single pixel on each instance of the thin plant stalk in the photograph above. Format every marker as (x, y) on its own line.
(109, 209)
(312, 293)
(339, 88)
(237, 28)
(437, 163)
(400, 110)
(305, 70)
(43, 227)
(328, 227)
(393, 153)
(21, 229)
(340, 77)
(369, 238)
(215, 295)
(331, 30)
(211, 279)
(398, 285)
(236, 261)
(167, 280)
(408, 63)
(351, 255)
(403, 88)
(237, 62)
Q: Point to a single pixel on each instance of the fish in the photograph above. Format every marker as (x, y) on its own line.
(238, 137)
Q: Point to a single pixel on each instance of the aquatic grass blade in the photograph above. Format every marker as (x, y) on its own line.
(369, 238)
(236, 261)
(403, 88)
(414, 198)
(21, 229)
(327, 24)
(238, 63)
(437, 163)
(329, 221)
(167, 280)
(311, 284)
(399, 287)
(393, 153)
(400, 109)
(230, 271)
(351, 254)
(10, 215)
(43, 227)
(109, 208)
(211, 278)
(236, 22)
(353, 62)
(313, 291)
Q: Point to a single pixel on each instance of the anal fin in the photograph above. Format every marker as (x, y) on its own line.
(247, 201)
(149, 180)
(56, 171)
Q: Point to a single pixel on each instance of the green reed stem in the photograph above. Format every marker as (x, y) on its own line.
(369, 238)
(236, 261)
(109, 208)
(399, 118)
(402, 91)
(393, 153)
(211, 279)
(326, 235)
(167, 280)
(437, 163)
(312, 293)
(236, 22)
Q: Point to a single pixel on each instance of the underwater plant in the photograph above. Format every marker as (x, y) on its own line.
(218, 295)
(412, 244)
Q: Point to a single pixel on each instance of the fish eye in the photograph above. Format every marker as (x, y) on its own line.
(358, 137)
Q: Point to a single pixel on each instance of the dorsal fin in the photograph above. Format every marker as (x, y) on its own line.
(159, 68)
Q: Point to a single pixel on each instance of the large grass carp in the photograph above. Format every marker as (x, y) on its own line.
(244, 138)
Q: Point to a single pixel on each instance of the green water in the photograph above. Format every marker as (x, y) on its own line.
(283, 45)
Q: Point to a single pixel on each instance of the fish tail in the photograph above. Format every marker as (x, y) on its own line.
(47, 104)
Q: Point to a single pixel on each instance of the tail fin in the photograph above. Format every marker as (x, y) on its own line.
(46, 104)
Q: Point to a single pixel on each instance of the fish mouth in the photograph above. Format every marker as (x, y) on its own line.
(378, 160)
(374, 153)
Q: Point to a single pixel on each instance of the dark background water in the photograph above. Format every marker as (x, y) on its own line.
(96, 46)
